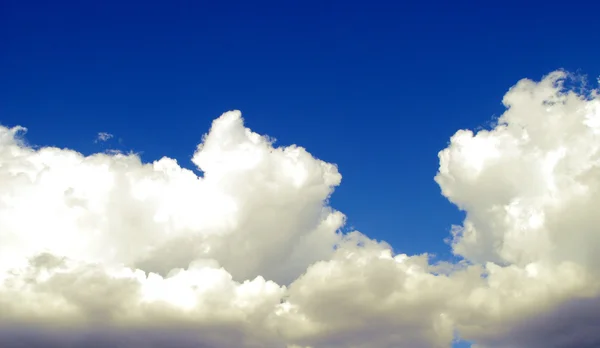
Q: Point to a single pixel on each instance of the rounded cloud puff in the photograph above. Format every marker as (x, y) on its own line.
(105, 250)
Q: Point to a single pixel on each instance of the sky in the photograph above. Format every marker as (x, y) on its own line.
(365, 132)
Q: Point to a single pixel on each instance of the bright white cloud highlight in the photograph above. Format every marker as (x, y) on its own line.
(111, 251)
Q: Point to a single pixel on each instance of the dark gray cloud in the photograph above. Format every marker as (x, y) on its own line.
(36, 336)
(573, 324)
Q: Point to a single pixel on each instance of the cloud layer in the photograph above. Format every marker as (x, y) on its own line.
(105, 250)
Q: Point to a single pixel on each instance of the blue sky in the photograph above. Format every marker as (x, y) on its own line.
(376, 87)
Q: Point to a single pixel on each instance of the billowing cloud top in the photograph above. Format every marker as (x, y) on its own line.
(105, 250)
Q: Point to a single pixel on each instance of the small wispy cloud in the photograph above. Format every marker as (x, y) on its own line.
(103, 136)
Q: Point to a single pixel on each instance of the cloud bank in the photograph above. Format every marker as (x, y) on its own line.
(107, 251)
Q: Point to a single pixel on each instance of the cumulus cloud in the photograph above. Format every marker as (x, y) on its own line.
(105, 250)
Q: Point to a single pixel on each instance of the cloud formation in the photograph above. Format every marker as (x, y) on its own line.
(105, 250)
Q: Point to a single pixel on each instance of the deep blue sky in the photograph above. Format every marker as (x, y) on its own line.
(376, 87)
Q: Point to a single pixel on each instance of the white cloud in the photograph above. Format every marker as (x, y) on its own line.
(103, 136)
(106, 250)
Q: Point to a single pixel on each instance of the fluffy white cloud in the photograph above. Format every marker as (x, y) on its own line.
(529, 188)
(105, 250)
